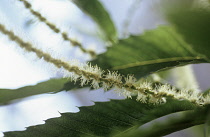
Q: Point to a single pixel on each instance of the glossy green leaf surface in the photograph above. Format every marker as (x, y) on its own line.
(49, 86)
(169, 125)
(103, 119)
(193, 24)
(155, 50)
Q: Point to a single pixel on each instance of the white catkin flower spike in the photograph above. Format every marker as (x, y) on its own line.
(95, 84)
(114, 76)
(86, 73)
(93, 69)
(206, 99)
(166, 89)
(130, 80)
(106, 86)
(84, 80)
(141, 97)
(145, 85)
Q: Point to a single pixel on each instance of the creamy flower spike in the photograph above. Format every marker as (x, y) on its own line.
(93, 75)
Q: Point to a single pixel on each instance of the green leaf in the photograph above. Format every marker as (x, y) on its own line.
(155, 50)
(193, 24)
(52, 85)
(103, 119)
(172, 124)
(98, 13)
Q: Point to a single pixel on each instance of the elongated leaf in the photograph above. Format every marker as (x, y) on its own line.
(52, 85)
(172, 124)
(102, 119)
(154, 50)
(193, 24)
(98, 13)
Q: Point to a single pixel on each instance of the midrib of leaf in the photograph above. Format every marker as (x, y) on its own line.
(154, 50)
(188, 46)
(157, 61)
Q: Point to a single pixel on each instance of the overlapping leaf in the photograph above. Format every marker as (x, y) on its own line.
(193, 24)
(152, 51)
(103, 119)
(99, 14)
(52, 85)
(155, 50)
(172, 124)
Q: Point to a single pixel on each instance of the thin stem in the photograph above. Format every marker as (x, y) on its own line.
(56, 29)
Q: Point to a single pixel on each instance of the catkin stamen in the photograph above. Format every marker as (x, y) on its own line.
(110, 79)
(145, 91)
